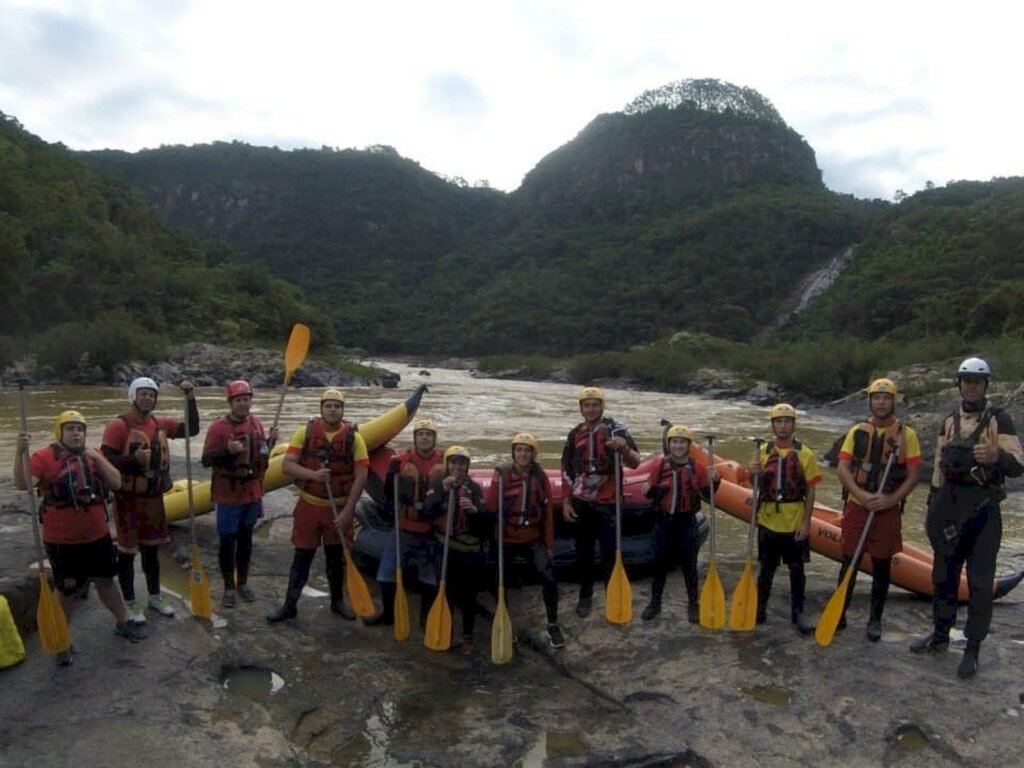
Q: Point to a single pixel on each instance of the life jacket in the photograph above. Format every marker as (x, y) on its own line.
(676, 490)
(248, 466)
(590, 454)
(525, 501)
(335, 454)
(871, 453)
(414, 484)
(468, 531)
(79, 483)
(957, 461)
(787, 485)
(156, 478)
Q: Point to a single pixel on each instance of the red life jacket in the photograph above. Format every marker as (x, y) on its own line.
(525, 499)
(156, 478)
(335, 454)
(676, 488)
(227, 481)
(79, 483)
(788, 485)
(416, 473)
(871, 454)
(590, 454)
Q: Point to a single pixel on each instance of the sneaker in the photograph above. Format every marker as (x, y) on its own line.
(64, 658)
(132, 632)
(245, 592)
(467, 645)
(136, 611)
(931, 643)
(159, 604)
(228, 599)
(584, 606)
(555, 637)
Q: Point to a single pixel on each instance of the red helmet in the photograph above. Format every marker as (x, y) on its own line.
(238, 387)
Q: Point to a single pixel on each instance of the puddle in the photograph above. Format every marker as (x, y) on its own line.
(768, 694)
(253, 682)
(173, 578)
(910, 738)
(552, 745)
(262, 530)
(371, 747)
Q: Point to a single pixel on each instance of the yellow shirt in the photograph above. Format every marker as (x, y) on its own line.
(910, 447)
(786, 516)
(360, 456)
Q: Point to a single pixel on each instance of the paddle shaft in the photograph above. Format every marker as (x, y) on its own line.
(618, 502)
(452, 493)
(711, 493)
(871, 514)
(501, 534)
(398, 536)
(188, 475)
(756, 500)
(27, 476)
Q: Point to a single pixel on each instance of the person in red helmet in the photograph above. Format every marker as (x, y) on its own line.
(136, 442)
(238, 450)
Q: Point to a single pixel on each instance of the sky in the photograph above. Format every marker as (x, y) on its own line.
(889, 95)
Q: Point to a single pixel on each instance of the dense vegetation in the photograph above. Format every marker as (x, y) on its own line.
(92, 277)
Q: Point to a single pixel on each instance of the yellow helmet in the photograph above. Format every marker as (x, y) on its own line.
(678, 430)
(882, 386)
(782, 411)
(332, 394)
(591, 393)
(424, 424)
(67, 417)
(525, 438)
(453, 452)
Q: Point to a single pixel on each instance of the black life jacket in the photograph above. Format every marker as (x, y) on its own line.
(957, 461)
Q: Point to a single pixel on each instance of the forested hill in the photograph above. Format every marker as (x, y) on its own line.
(696, 207)
(92, 276)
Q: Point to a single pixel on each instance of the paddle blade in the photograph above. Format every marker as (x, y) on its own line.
(501, 633)
(401, 610)
(826, 629)
(358, 594)
(618, 605)
(437, 635)
(712, 599)
(54, 636)
(199, 589)
(743, 612)
(298, 347)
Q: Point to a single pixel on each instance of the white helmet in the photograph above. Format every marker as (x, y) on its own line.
(973, 366)
(143, 382)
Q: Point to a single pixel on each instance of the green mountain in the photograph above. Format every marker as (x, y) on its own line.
(92, 276)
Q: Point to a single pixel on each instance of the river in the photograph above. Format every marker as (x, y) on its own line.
(483, 414)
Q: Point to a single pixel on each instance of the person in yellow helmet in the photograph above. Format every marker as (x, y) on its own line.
(136, 442)
(416, 469)
(786, 473)
(676, 485)
(862, 461)
(977, 450)
(529, 521)
(73, 481)
(472, 526)
(327, 459)
(588, 482)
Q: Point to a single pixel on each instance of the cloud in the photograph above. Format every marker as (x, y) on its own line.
(454, 96)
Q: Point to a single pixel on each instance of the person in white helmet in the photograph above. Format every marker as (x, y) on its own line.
(136, 443)
(977, 450)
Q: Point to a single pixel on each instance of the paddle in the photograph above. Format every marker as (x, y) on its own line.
(294, 355)
(501, 629)
(401, 602)
(437, 635)
(355, 584)
(618, 595)
(54, 636)
(743, 615)
(198, 585)
(829, 620)
(712, 596)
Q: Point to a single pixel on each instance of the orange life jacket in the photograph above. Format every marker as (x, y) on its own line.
(248, 466)
(413, 485)
(525, 501)
(335, 454)
(676, 489)
(589, 450)
(871, 454)
(79, 483)
(154, 479)
(782, 479)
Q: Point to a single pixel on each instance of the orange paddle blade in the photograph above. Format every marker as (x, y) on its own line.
(54, 636)
(437, 636)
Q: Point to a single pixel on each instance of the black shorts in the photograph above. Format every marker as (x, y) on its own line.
(74, 564)
(773, 546)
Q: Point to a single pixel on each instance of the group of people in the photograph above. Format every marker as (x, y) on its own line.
(436, 504)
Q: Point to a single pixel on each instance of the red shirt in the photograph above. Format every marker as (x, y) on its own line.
(236, 479)
(67, 524)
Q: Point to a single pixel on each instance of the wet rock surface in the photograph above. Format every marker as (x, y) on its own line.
(659, 693)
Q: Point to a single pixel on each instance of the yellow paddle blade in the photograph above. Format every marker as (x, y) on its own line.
(829, 620)
(358, 594)
(618, 603)
(401, 610)
(437, 635)
(712, 599)
(54, 636)
(199, 589)
(501, 632)
(743, 613)
(298, 346)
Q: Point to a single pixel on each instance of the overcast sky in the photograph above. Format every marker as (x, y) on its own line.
(889, 95)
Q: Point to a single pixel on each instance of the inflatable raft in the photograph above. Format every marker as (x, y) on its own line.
(375, 432)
